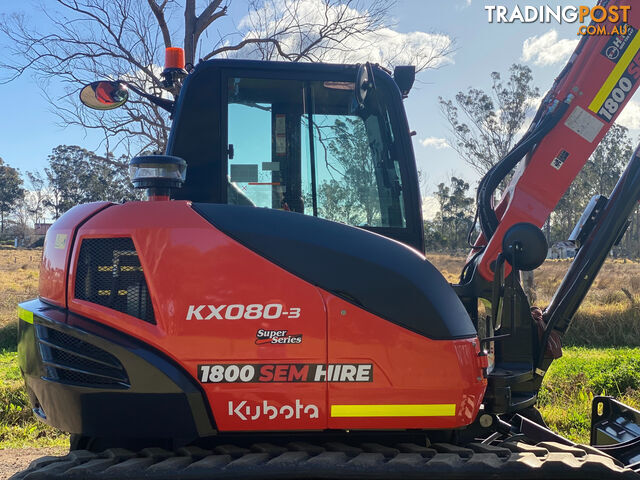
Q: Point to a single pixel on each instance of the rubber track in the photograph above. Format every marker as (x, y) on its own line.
(367, 461)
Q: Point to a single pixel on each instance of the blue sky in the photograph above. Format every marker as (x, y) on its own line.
(28, 129)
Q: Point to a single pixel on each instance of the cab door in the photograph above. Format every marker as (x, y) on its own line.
(287, 345)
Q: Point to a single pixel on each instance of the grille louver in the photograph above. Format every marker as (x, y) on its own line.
(72, 360)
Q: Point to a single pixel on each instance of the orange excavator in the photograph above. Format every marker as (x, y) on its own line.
(268, 311)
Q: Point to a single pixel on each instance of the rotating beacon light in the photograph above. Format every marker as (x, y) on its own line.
(159, 174)
(174, 69)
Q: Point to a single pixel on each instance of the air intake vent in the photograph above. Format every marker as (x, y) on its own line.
(72, 360)
(109, 274)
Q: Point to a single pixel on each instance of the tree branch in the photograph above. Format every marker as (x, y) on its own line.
(158, 11)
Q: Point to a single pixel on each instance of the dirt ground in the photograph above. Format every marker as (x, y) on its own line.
(14, 460)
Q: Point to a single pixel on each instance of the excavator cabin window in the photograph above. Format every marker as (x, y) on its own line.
(308, 147)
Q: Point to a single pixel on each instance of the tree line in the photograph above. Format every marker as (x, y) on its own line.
(73, 175)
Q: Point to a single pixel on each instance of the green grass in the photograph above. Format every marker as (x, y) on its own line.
(18, 426)
(582, 373)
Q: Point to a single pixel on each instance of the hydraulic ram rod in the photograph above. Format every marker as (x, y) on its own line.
(610, 224)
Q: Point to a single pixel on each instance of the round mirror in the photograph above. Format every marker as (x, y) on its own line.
(104, 95)
(524, 246)
(362, 84)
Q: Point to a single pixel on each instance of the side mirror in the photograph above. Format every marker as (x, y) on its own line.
(364, 83)
(104, 95)
(524, 246)
(404, 77)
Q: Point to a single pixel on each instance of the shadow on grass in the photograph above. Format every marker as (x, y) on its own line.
(9, 337)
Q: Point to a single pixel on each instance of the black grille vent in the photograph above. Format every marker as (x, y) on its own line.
(72, 360)
(109, 274)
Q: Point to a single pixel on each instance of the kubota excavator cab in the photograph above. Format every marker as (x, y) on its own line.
(295, 137)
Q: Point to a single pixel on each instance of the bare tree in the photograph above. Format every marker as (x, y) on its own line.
(336, 31)
(90, 39)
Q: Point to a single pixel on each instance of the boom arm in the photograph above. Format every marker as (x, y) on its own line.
(584, 102)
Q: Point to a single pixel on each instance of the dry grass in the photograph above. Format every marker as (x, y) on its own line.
(607, 317)
(18, 282)
(606, 290)
(19, 428)
(449, 265)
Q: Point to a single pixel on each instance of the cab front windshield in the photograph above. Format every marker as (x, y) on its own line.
(307, 147)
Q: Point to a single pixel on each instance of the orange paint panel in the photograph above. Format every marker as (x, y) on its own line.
(270, 350)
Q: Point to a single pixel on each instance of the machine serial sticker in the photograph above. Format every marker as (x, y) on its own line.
(584, 124)
(560, 159)
(286, 373)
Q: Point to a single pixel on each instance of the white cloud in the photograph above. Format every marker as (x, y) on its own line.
(534, 103)
(630, 116)
(435, 142)
(297, 24)
(430, 208)
(546, 49)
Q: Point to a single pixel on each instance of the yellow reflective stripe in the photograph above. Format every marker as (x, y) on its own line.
(25, 315)
(616, 75)
(433, 410)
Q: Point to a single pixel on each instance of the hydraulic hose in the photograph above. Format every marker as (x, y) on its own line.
(486, 214)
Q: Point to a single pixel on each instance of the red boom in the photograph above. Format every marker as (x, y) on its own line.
(602, 76)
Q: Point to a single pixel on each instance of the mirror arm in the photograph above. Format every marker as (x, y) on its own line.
(168, 105)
